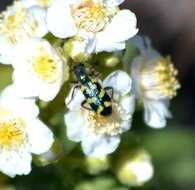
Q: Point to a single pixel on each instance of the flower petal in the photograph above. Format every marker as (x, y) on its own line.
(15, 163)
(120, 81)
(39, 15)
(74, 99)
(145, 47)
(99, 145)
(23, 107)
(155, 113)
(5, 51)
(128, 103)
(75, 126)
(25, 78)
(126, 21)
(40, 136)
(113, 3)
(59, 20)
(103, 45)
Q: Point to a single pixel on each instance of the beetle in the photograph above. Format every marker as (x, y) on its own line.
(96, 97)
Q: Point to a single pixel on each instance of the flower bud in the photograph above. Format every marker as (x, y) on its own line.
(95, 165)
(110, 59)
(76, 49)
(135, 169)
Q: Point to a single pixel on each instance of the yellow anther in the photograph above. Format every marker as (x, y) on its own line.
(90, 16)
(110, 125)
(18, 26)
(12, 130)
(45, 66)
(162, 78)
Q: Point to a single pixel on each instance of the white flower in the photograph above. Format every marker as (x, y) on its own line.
(41, 3)
(154, 83)
(38, 71)
(19, 23)
(108, 26)
(136, 169)
(21, 133)
(100, 135)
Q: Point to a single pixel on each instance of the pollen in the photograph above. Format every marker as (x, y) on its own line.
(12, 131)
(161, 78)
(18, 26)
(110, 125)
(91, 17)
(45, 66)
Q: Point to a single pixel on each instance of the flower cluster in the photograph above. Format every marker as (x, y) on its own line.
(49, 43)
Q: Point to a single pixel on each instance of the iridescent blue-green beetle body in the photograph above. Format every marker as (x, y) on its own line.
(97, 99)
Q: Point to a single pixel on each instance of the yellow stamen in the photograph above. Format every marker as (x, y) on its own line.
(18, 26)
(162, 77)
(46, 67)
(90, 17)
(110, 125)
(12, 130)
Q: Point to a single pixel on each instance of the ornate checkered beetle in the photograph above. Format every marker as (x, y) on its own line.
(97, 98)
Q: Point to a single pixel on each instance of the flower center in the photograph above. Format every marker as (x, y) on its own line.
(110, 125)
(12, 131)
(91, 17)
(18, 26)
(161, 78)
(45, 66)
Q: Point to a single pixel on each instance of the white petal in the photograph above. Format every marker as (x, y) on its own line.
(145, 47)
(15, 163)
(104, 45)
(74, 99)
(39, 15)
(120, 81)
(135, 75)
(40, 136)
(113, 3)
(76, 129)
(121, 28)
(155, 113)
(49, 92)
(26, 80)
(29, 3)
(99, 145)
(23, 107)
(128, 103)
(89, 41)
(59, 20)
(5, 51)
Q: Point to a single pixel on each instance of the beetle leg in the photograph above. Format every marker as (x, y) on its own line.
(83, 104)
(74, 82)
(73, 92)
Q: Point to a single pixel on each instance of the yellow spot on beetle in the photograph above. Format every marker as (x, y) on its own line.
(107, 104)
(100, 109)
(102, 93)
